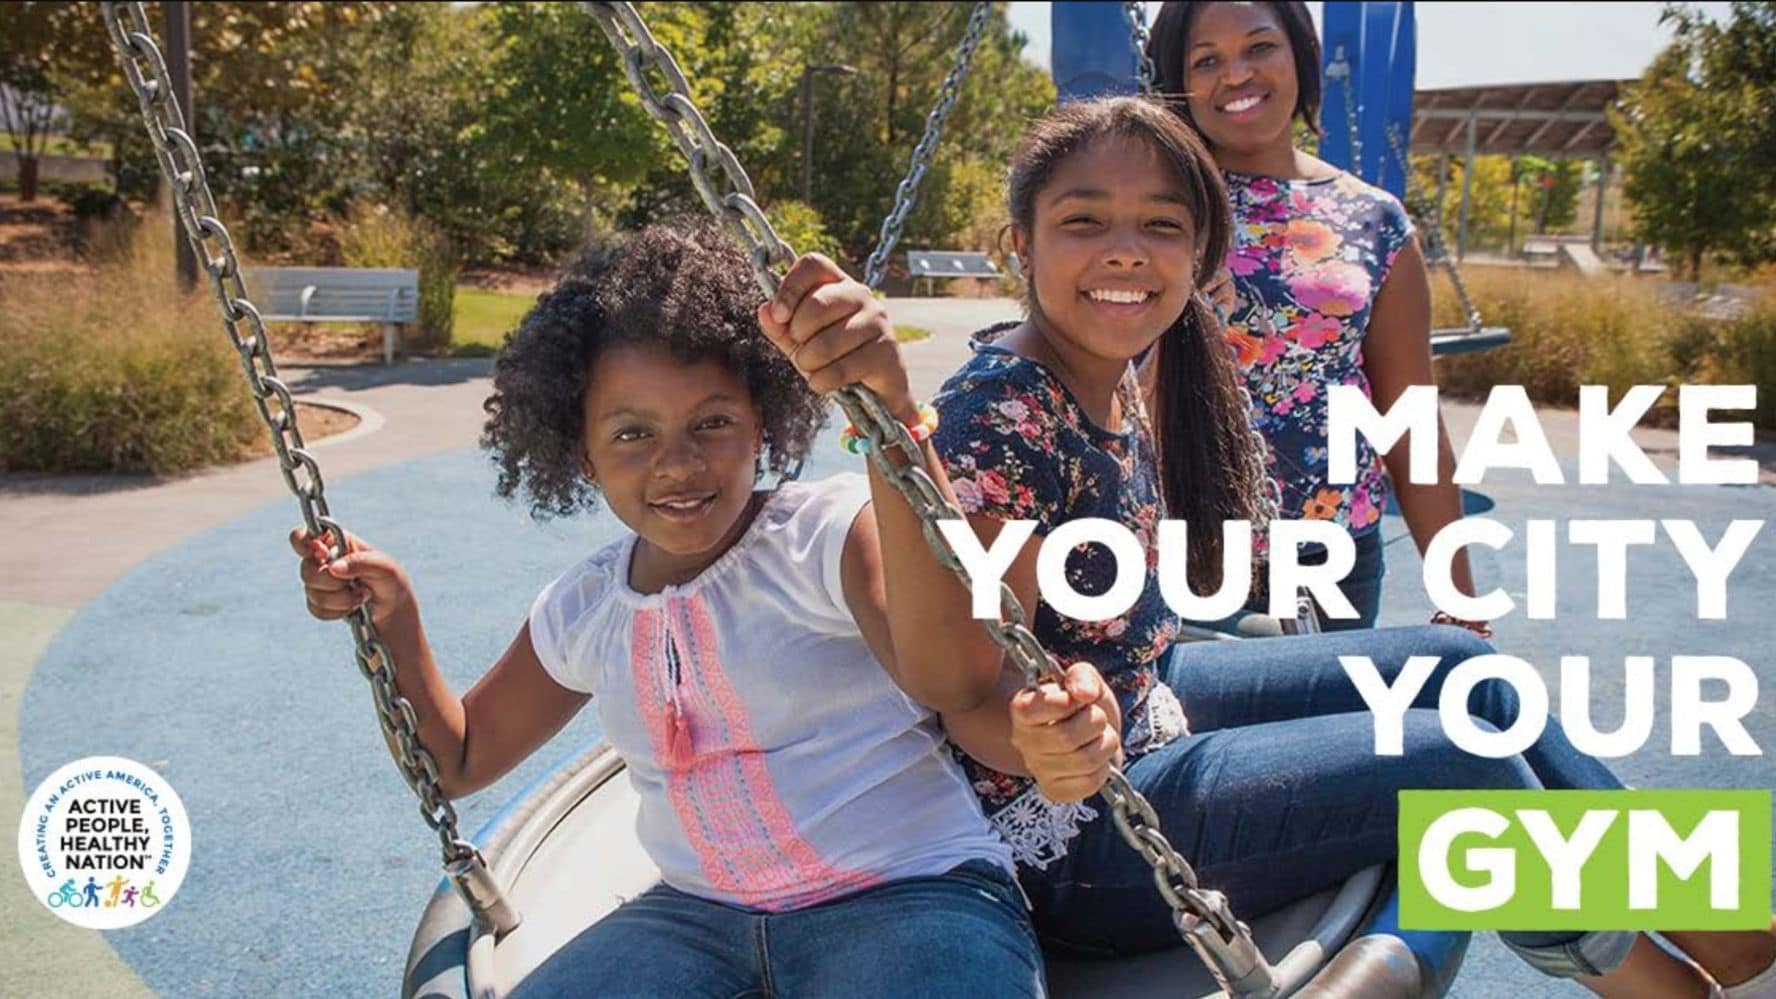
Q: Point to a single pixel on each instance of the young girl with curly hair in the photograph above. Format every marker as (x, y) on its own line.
(814, 835)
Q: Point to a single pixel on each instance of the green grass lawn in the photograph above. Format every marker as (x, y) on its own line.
(59, 145)
(484, 317)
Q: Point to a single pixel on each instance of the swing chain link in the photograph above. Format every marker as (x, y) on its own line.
(146, 71)
(1435, 245)
(907, 193)
(1135, 14)
(733, 202)
(1340, 69)
(1203, 918)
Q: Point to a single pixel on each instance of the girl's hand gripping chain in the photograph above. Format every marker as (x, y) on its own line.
(837, 333)
(1068, 735)
(336, 587)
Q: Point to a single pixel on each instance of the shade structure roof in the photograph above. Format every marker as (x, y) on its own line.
(1547, 119)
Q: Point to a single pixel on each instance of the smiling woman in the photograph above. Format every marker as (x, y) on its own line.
(1331, 287)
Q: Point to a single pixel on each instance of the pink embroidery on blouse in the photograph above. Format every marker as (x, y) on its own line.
(727, 805)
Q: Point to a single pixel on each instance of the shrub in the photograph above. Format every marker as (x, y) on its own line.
(1566, 331)
(801, 227)
(118, 371)
(379, 236)
(1745, 354)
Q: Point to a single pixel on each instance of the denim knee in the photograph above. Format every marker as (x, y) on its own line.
(1454, 644)
(1570, 955)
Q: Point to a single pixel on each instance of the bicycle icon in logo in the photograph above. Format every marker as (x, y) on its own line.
(122, 893)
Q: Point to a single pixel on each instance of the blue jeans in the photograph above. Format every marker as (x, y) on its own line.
(1362, 587)
(963, 933)
(1277, 794)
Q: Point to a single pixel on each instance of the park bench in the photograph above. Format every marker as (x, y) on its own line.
(937, 265)
(389, 296)
(1541, 253)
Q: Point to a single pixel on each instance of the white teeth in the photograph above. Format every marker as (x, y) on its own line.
(690, 504)
(1120, 297)
(1242, 104)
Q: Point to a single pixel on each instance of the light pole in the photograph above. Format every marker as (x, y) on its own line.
(178, 32)
(808, 122)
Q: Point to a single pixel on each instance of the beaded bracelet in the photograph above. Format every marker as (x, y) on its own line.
(1481, 628)
(856, 443)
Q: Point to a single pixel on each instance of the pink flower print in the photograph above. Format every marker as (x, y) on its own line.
(1316, 331)
(992, 486)
(1245, 263)
(1029, 431)
(1271, 349)
(967, 494)
(1305, 391)
(1335, 288)
(1014, 410)
(1363, 511)
(1113, 629)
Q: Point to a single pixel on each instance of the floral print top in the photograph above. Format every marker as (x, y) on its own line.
(1307, 260)
(1017, 446)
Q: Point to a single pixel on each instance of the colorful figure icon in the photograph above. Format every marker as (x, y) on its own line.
(149, 899)
(92, 891)
(129, 896)
(68, 894)
(116, 885)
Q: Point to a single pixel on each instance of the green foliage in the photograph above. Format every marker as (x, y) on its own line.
(800, 227)
(81, 390)
(511, 127)
(1745, 354)
(377, 236)
(1697, 139)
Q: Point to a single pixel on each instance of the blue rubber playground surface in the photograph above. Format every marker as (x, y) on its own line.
(310, 862)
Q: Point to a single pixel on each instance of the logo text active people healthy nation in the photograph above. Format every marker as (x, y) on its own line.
(1585, 860)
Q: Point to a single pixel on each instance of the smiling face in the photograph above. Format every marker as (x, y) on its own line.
(673, 447)
(1239, 72)
(1111, 248)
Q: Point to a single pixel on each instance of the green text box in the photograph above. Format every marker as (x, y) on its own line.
(1630, 865)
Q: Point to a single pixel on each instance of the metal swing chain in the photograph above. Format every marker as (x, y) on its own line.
(1340, 69)
(1203, 917)
(907, 193)
(1135, 14)
(1434, 241)
(145, 69)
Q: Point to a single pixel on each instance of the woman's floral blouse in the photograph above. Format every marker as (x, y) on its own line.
(1307, 260)
(1017, 446)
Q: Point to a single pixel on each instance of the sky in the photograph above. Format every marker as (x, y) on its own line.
(1467, 44)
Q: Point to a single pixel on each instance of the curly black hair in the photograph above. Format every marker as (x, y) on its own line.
(683, 285)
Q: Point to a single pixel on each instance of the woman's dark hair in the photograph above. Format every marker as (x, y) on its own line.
(683, 286)
(1167, 47)
(1209, 470)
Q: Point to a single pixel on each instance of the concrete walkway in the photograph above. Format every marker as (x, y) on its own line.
(161, 620)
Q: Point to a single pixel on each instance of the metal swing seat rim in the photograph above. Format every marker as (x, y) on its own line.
(588, 796)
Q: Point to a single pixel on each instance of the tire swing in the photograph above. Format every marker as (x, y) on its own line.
(533, 856)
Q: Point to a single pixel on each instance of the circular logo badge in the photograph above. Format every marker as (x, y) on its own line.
(104, 842)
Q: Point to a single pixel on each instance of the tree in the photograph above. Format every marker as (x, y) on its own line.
(1697, 138)
(37, 41)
